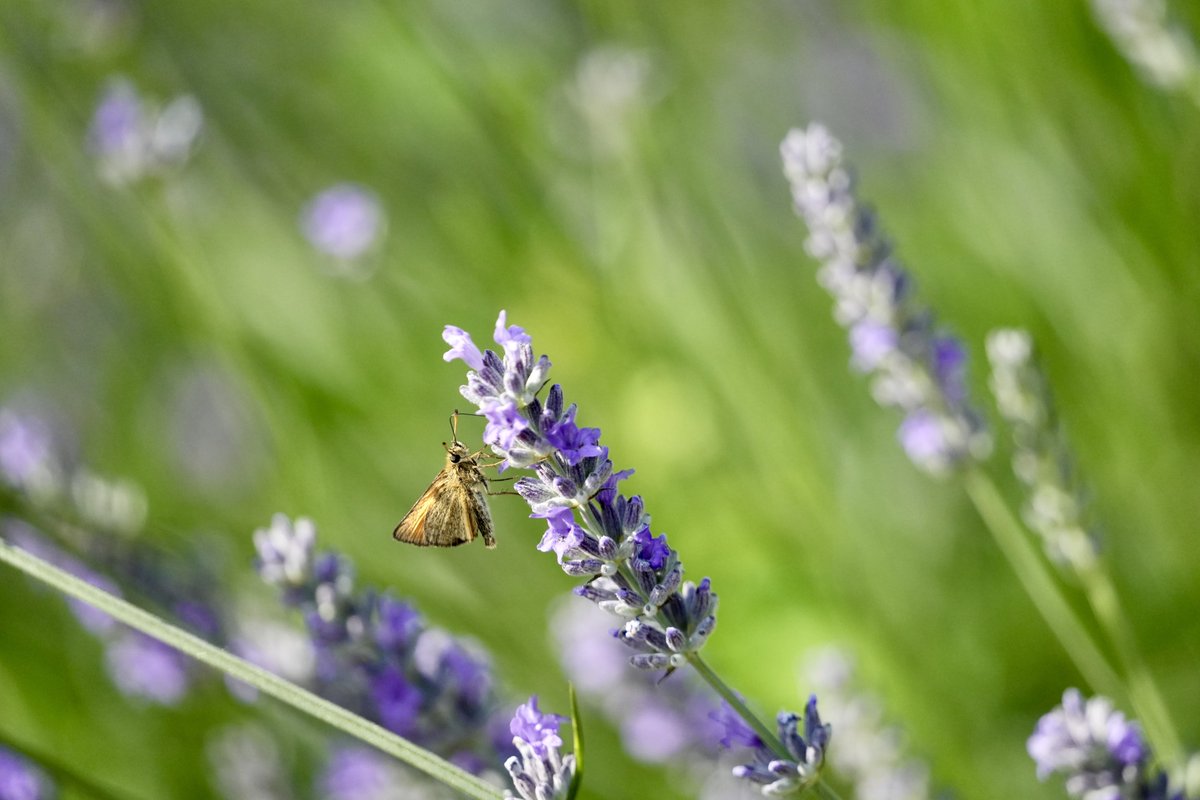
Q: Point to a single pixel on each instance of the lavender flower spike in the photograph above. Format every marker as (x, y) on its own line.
(1160, 49)
(594, 531)
(914, 366)
(1056, 506)
(21, 780)
(1103, 755)
(541, 772)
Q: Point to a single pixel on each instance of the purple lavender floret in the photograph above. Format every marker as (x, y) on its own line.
(344, 221)
(375, 655)
(540, 771)
(145, 668)
(1101, 753)
(914, 366)
(778, 776)
(595, 532)
(20, 779)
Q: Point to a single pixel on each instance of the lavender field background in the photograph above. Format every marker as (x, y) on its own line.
(190, 314)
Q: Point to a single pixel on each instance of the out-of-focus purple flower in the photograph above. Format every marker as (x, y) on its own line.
(131, 139)
(285, 550)
(734, 730)
(1056, 501)
(357, 773)
(871, 755)
(374, 653)
(540, 772)
(914, 367)
(344, 221)
(20, 779)
(1100, 752)
(247, 765)
(25, 447)
(398, 701)
(146, 668)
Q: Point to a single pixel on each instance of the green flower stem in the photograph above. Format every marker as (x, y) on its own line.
(823, 792)
(266, 682)
(1041, 585)
(1147, 701)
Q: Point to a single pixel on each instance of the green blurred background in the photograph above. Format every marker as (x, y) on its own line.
(608, 173)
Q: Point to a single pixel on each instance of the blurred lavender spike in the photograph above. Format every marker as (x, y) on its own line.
(1101, 753)
(20, 779)
(344, 222)
(913, 366)
(870, 753)
(375, 656)
(132, 139)
(1159, 49)
(1056, 506)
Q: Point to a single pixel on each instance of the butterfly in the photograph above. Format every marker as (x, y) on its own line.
(454, 509)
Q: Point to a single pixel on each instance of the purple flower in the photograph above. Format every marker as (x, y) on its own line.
(20, 779)
(118, 124)
(538, 730)
(651, 549)
(780, 776)
(147, 668)
(539, 772)
(357, 773)
(344, 221)
(25, 447)
(562, 536)
(871, 343)
(1100, 752)
(734, 730)
(398, 701)
(396, 624)
(893, 336)
(462, 347)
(595, 532)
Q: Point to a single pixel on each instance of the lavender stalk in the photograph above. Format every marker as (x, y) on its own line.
(600, 535)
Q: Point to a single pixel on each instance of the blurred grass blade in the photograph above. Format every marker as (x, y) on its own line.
(577, 733)
(266, 682)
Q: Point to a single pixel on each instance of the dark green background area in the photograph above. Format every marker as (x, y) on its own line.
(1025, 173)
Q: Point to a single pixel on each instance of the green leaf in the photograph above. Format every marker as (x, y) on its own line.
(577, 731)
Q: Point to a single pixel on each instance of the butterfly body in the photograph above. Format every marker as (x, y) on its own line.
(454, 509)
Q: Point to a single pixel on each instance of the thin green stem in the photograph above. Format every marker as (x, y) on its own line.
(823, 791)
(1040, 584)
(1147, 701)
(266, 682)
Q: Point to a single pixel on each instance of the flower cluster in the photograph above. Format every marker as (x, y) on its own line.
(1101, 753)
(594, 531)
(914, 366)
(540, 772)
(1056, 507)
(344, 222)
(1141, 31)
(21, 780)
(870, 753)
(775, 775)
(659, 721)
(131, 140)
(375, 655)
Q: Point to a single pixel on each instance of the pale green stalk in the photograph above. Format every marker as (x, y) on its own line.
(266, 682)
(1040, 584)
